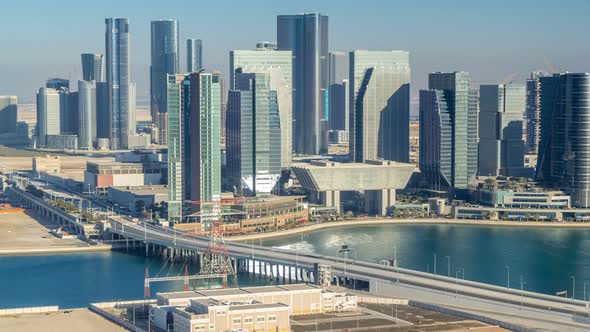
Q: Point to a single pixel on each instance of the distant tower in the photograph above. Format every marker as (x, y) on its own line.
(8, 114)
(92, 67)
(194, 55)
(87, 114)
(48, 115)
(533, 111)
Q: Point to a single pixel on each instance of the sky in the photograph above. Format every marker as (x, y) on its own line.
(495, 41)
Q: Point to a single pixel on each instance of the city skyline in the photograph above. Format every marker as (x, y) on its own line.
(485, 52)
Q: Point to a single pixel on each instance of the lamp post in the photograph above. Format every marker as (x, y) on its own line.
(449, 266)
(508, 276)
(573, 287)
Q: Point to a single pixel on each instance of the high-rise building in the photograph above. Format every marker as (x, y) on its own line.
(102, 111)
(448, 132)
(92, 67)
(253, 128)
(564, 149)
(194, 152)
(266, 45)
(380, 101)
(533, 111)
(48, 115)
(339, 106)
(8, 114)
(57, 83)
(501, 147)
(278, 65)
(70, 117)
(165, 53)
(306, 35)
(194, 55)
(87, 114)
(118, 81)
(338, 67)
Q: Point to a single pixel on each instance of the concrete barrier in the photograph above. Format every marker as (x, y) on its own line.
(382, 300)
(29, 310)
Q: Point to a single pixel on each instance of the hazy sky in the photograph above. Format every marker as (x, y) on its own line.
(493, 40)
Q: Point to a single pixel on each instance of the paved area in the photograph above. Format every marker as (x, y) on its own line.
(62, 321)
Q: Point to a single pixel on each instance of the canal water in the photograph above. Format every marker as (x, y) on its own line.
(545, 257)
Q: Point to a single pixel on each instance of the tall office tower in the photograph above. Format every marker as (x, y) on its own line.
(380, 102)
(194, 156)
(165, 52)
(117, 78)
(194, 55)
(92, 67)
(564, 149)
(48, 115)
(533, 111)
(253, 128)
(339, 106)
(223, 105)
(57, 83)
(8, 114)
(448, 132)
(70, 117)
(338, 67)
(278, 65)
(102, 111)
(87, 114)
(306, 35)
(501, 148)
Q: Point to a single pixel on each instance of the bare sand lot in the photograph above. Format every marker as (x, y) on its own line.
(61, 321)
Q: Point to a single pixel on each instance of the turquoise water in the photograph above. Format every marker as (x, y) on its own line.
(545, 257)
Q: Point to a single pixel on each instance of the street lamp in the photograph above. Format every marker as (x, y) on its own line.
(573, 287)
(449, 266)
(508, 277)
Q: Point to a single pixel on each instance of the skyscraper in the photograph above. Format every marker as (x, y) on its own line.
(380, 102)
(339, 106)
(165, 52)
(564, 149)
(57, 83)
(194, 55)
(501, 148)
(338, 67)
(448, 131)
(278, 65)
(87, 114)
(306, 35)
(8, 114)
(48, 115)
(103, 120)
(533, 111)
(194, 160)
(118, 81)
(92, 67)
(253, 128)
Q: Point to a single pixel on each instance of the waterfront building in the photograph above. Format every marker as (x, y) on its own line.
(564, 148)
(448, 131)
(87, 114)
(253, 130)
(194, 55)
(194, 135)
(92, 67)
(8, 114)
(380, 101)
(164, 57)
(121, 120)
(306, 35)
(533, 111)
(48, 115)
(278, 66)
(501, 147)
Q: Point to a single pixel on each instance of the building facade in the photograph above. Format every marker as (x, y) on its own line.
(533, 112)
(278, 66)
(8, 114)
(92, 67)
(86, 114)
(564, 149)
(164, 57)
(448, 131)
(380, 101)
(48, 115)
(501, 147)
(119, 94)
(306, 35)
(194, 55)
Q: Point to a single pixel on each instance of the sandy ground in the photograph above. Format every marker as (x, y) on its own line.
(25, 233)
(62, 321)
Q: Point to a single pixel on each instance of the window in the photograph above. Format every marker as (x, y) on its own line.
(260, 319)
(248, 320)
(237, 320)
(272, 318)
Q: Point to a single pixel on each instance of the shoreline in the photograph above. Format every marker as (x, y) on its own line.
(56, 250)
(388, 221)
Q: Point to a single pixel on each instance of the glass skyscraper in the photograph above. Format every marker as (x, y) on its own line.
(194, 55)
(8, 114)
(253, 130)
(86, 114)
(306, 35)
(564, 149)
(92, 67)
(380, 102)
(448, 131)
(278, 65)
(48, 115)
(118, 82)
(533, 111)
